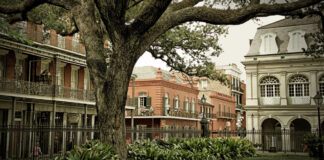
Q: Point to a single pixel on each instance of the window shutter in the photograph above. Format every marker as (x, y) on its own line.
(179, 103)
(164, 106)
(169, 101)
(190, 106)
(136, 102)
(184, 106)
(148, 102)
(174, 104)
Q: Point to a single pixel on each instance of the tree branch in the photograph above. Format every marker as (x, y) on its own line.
(150, 14)
(24, 6)
(218, 16)
(112, 12)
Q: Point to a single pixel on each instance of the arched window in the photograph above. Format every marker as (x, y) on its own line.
(321, 85)
(296, 41)
(269, 87)
(268, 44)
(298, 86)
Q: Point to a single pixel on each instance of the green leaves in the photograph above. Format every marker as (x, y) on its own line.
(193, 149)
(187, 48)
(93, 150)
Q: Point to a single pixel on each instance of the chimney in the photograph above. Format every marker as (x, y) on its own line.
(159, 74)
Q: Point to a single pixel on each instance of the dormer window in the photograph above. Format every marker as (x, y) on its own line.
(296, 41)
(268, 44)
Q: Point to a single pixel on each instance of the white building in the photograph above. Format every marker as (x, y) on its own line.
(281, 81)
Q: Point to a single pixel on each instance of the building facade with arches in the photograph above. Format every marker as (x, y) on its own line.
(281, 81)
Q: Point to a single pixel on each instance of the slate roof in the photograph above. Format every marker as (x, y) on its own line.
(281, 28)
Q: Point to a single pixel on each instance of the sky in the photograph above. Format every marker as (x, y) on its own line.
(235, 45)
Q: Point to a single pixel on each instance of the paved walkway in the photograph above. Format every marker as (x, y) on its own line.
(281, 153)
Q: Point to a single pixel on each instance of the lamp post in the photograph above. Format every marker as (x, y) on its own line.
(204, 122)
(319, 100)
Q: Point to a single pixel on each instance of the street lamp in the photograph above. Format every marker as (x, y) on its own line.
(204, 122)
(319, 100)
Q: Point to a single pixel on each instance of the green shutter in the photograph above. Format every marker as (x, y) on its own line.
(169, 101)
(184, 105)
(136, 102)
(179, 105)
(164, 106)
(174, 104)
(190, 107)
(148, 102)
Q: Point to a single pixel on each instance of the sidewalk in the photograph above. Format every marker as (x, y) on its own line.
(266, 153)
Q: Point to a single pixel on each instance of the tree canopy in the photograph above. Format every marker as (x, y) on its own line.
(164, 28)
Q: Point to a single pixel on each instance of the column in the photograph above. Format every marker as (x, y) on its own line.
(79, 132)
(92, 126)
(64, 132)
(52, 126)
(283, 89)
(12, 123)
(132, 125)
(313, 88)
(85, 123)
(9, 133)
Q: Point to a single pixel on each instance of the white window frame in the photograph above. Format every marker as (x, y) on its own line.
(269, 87)
(296, 41)
(204, 84)
(298, 80)
(187, 104)
(268, 44)
(193, 105)
(321, 85)
(142, 99)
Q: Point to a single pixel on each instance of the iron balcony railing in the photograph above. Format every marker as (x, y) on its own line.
(44, 90)
(226, 115)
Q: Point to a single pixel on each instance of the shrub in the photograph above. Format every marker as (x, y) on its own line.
(312, 142)
(94, 150)
(193, 149)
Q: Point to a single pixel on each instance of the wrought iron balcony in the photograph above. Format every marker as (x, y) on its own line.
(44, 90)
(226, 115)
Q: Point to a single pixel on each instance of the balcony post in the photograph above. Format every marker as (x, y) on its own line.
(85, 123)
(64, 132)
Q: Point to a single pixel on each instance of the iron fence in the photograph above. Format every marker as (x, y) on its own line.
(45, 142)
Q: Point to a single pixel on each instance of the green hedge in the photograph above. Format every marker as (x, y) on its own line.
(193, 149)
(174, 149)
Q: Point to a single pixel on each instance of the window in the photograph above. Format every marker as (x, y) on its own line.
(60, 41)
(142, 99)
(193, 106)
(298, 86)
(74, 78)
(60, 76)
(86, 79)
(296, 41)
(269, 87)
(220, 109)
(2, 66)
(176, 103)
(321, 85)
(268, 44)
(204, 84)
(186, 104)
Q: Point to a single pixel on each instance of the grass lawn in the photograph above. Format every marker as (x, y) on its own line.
(280, 157)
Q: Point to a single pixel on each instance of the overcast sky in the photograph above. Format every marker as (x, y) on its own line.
(235, 45)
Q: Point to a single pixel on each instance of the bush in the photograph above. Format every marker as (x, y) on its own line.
(193, 149)
(312, 142)
(94, 150)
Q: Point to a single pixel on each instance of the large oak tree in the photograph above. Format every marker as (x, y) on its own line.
(133, 27)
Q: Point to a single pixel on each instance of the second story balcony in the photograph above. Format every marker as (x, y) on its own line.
(226, 115)
(43, 90)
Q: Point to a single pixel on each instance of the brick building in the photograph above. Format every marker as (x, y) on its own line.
(163, 100)
(44, 84)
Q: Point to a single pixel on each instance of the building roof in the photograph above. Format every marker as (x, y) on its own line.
(281, 29)
(292, 22)
(150, 72)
